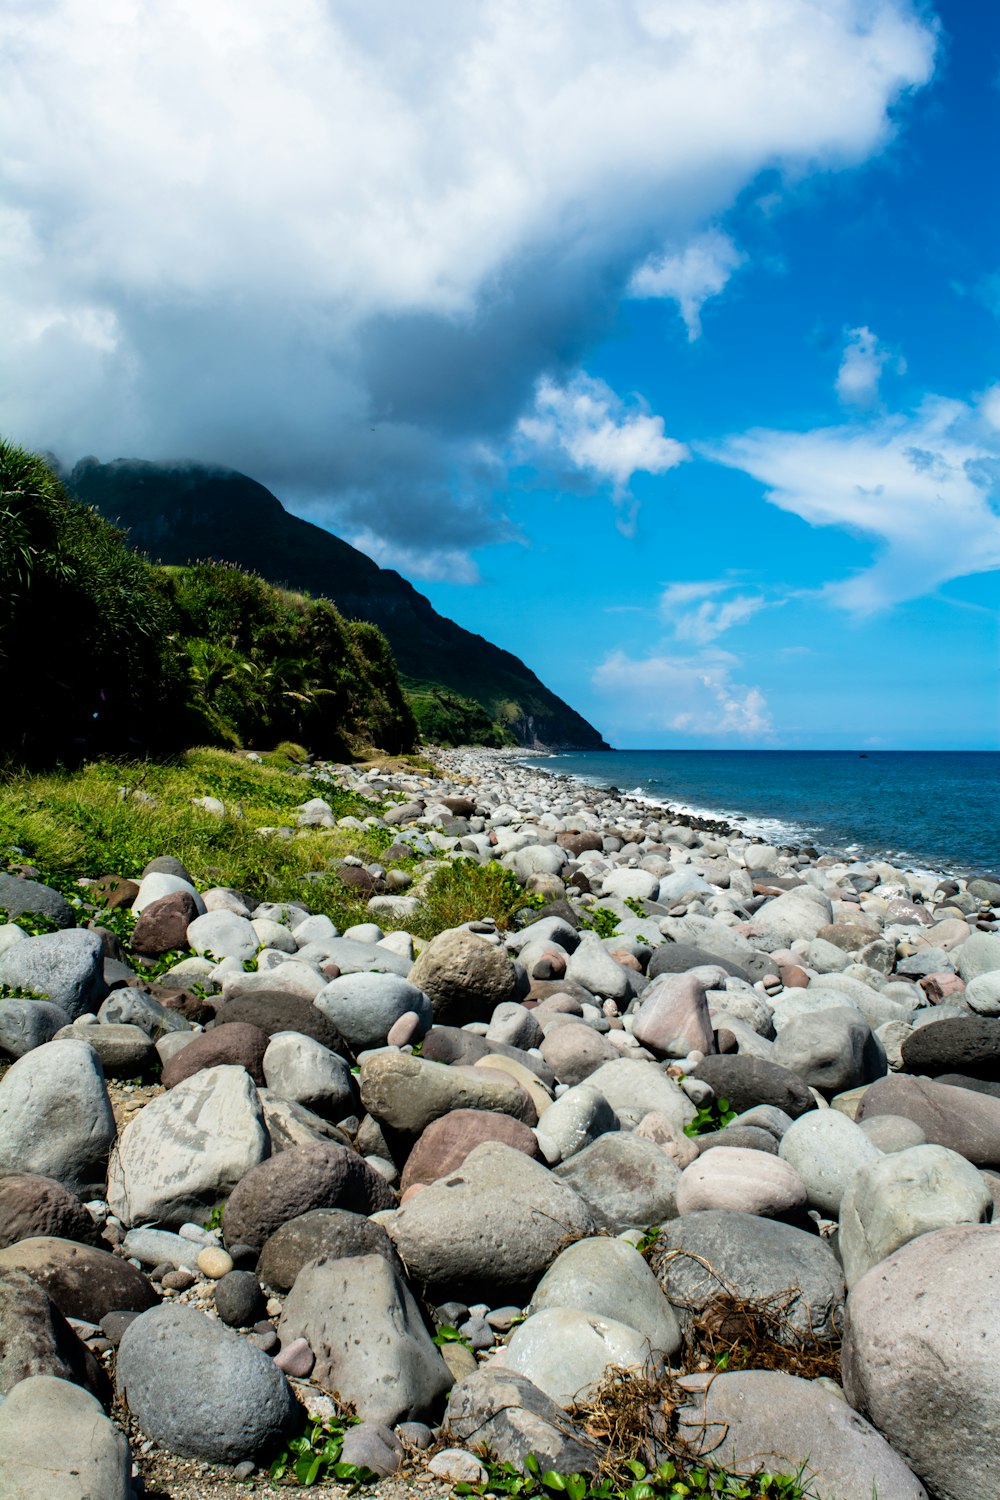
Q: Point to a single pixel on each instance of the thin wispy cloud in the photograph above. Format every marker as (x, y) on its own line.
(925, 487)
(701, 612)
(689, 695)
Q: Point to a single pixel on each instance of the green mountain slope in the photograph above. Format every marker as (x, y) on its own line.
(181, 513)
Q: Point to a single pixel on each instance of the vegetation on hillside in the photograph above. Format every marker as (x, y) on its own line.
(446, 719)
(103, 653)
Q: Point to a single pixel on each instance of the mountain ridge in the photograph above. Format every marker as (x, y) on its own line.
(182, 513)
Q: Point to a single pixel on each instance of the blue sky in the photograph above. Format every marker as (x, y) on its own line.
(656, 340)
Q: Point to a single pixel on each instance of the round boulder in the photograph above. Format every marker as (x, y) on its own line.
(240, 1044)
(365, 1007)
(464, 977)
(323, 1175)
(321, 1234)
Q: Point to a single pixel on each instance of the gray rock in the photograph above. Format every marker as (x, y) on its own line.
(56, 1118)
(574, 1052)
(749, 1081)
(289, 1124)
(831, 1050)
(406, 1093)
(365, 1007)
(127, 1007)
(827, 1149)
(979, 954)
(514, 1025)
(741, 1181)
(239, 1300)
(157, 1247)
(566, 1353)
(799, 913)
(495, 1225)
(608, 1278)
(66, 968)
(921, 1359)
(201, 1391)
(504, 1411)
(892, 1132)
(27, 897)
(371, 1445)
(26, 1024)
(158, 883)
(898, 1197)
(353, 957)
(628, 1182)
(982, 994)
(321, 1234)
(874, 1006)
(301, 1069)
(574, 1122)
(592, 966)
(371, 1344)
(187, 1149)
(721, 943)
(701, 1256)
(779, 1423)
(464, 976)
(56, 1442)
(222, 934)
(642, 1085)
(958, 1118)
(125, 1051)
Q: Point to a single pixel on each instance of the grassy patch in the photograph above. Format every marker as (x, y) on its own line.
(465, 891)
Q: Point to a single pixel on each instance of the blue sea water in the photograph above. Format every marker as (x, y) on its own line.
(936, 810)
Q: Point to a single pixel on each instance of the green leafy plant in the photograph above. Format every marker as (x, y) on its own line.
(448, 1334)
(648, 1240)
(315, 1456)
(602, 920)
(710, 1117)
(31, 923)
(214, 1220)
(671, 1480)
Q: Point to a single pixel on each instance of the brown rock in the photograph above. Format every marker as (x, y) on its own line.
(462, 807)
(35, 1339)
(331, 1232)
(358, 878)
(464, 977)
(33, 1206)
(277, 1010)
(163, 924)
(324, 1175)
(187, 1004)
(938, 987)
(113, 891)
(961, 1119)
(845, 936)
(83, 1282)
(576, 843)
(446, 1143)
(239, 1043)
(793, 977)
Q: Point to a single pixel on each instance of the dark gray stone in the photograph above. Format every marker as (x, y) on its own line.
(324, 1233)
(239, 1300)
(64, 967)
(323, 1175)
(969, 1045)
(748, 1081)
(29, 897)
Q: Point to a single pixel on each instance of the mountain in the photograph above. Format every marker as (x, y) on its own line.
(181, 513)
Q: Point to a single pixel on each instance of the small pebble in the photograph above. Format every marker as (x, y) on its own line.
(177, 1281)
(296, 1359)
(215, 1262)
(244, 1470)
(274, 1307)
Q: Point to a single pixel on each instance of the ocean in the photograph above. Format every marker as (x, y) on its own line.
(922, 809)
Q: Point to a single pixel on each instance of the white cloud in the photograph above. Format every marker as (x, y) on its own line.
(439, 565)
(585, 422)
(926, 487)
(696, 613)
(861, 368)
(244, 231)
(690, 275)
(693, 695)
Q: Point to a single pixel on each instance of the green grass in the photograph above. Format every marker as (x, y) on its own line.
(465, 891)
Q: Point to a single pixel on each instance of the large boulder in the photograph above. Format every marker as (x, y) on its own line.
(324, 1175)
(921, 1358)
(958, 1044)
(238, 1046)
(187, 1150)
(496, 1224)
(365, 1007)
(321, 1234)
(961, 1119)
(35, 1339)
(632, 1084)
(299, 1068)
(576, 1119)
(897, 1197)
(608, 1278)
(673, 1019)
(827, 1149)
(447, 1141)
(567, 1353)
(64, 967)
(574, 1052)
(371, 1344)
(749, 1081)
(201, 1391)
(799, 913)
(406, 1093)
(741, 1181)
(55, 1116)
(464, 977)
(703, 1256)
(830, 1050)
(56, 1441)
(30, 898)
(275, 1010)
(83, 1282)
(783, 1425)
(627, 1182)
(33, 1206)
(507, 1413)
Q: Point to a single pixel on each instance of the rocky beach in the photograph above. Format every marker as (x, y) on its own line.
(697, 1158)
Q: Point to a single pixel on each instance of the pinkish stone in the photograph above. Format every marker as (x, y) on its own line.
(938, 987)
(296, 1359)
(405, 1030)
(446, 1142)
(673, 1018)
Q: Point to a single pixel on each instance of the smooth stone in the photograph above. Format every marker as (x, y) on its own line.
(831, 1050)
(901, 1196)
(201, 1391)
(222, 934)
(759, 1259)
(496, 1224)
(82, 1281)
(458, 1466)
(749, 1081)
(125, 1051)
(573, 1122)
(371, 1345)
(162, 926)
(626, 1181)
(513, 1024)
(608, 1278)
(365, 1007)
(464, 977)
(322, 1175)
(27, 1024)
(447, 1141)
(740, 1181)
(921, 1359)
(778, 1423)
(962, 1120)
(20, 898)
(979, 954)
(566, 1353)
(628, 1084)
(301, 1069)
(214, 1262)
(982, 994)
(673, 1018)
(56, 1118)
(406, 1093)
(321, 1234)
(128, 1007)
(56, 1442)
(187, 1149)
(296, 1359)
(592, 966)
(289, 1124)
(239, 1046)
(274, 1010)
(891, 1132)
(65, 968)
(154, 1247)
(575, 1052)
(240, 1302)
(32, 1206)
(968, 1044)
(827, 1149)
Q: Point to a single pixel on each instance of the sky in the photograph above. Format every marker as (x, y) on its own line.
(655, 340)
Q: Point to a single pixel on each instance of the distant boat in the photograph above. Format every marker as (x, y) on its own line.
(862, 756)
